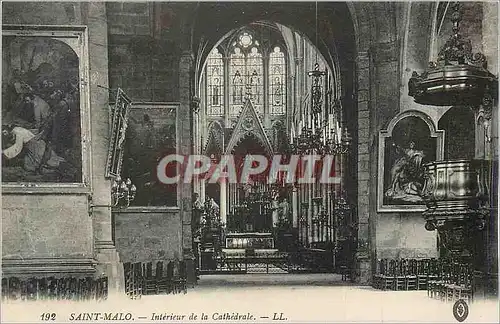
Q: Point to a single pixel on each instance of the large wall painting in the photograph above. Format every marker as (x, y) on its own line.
(151, 135)
(410, 141)
(43, 106)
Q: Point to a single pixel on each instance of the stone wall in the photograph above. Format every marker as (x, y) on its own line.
(143, 50)
(55, 225)
(45, 227)
(147, 236)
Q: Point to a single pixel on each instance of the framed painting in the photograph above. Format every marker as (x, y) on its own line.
(151, 135)
(410, 141)
(45, 122)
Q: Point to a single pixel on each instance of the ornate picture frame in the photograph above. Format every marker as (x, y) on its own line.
(119, 123)
(410, 140)
(45, 74)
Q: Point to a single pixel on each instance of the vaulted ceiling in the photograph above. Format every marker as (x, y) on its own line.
(212, 20)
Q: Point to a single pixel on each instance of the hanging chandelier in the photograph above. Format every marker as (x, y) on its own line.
(319, 133)
(459, 77)
(315, 134)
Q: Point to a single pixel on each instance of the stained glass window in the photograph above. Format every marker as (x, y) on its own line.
(277, 84)
(215, 83)
(244, 72)
(255, 71)
(245, 39)
(237, 74)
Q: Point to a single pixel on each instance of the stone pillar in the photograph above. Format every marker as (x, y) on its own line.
(295, 202)
(362, 256)
(226, 93)
(107, 257)
(185, 125)
(223, 200)
(202, 190)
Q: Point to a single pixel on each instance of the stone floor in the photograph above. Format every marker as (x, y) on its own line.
(260, 298)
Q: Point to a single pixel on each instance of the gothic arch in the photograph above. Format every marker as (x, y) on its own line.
(215, 139)
(248, 123)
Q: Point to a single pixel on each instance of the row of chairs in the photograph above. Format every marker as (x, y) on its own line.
(422, 274)
(402, 274)
(52, 288)
(453, 283)
(140, 279)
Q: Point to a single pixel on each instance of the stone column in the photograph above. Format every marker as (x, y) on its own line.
(202, 190)
(223, 201)
(94, 15)
(197, 145)
(362, 257)
(185, 125)
(294, 207)
(227, 92)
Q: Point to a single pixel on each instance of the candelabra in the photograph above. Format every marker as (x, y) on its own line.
(122, 194)
(318, 135)
(122, 191)
(342, 211)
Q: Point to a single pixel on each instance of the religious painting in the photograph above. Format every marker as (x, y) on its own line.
(151, 135)
(42, 106)
(410, 142)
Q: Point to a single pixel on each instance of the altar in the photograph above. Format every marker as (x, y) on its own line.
(249, 241)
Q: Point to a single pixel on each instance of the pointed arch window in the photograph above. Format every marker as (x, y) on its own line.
(255, 72)
(215, 83)
(237, 74)
(245, 73)
(277, 84)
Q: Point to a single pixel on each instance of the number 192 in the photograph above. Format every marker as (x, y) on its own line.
(48, 316)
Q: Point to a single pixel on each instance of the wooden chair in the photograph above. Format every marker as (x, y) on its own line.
(377, 277)
(411, 282)
(148, 281)
(180, 281)
(389, 280)
(162, 283)
(344, 271)
(137, 279)
(433, 279)
(127, 272)
(88, 288)
(463, 288)
(43, 288)
(422, 274)
(411, 275)
(170, 277)
(400, 276)
(104, 289)
(51, 288)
